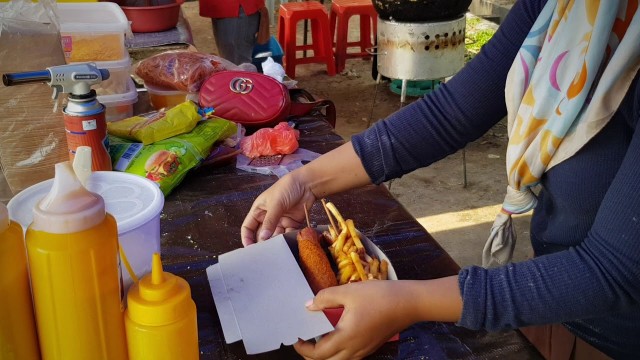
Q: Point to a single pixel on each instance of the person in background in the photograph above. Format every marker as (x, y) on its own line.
(565, 72)
(237, 26)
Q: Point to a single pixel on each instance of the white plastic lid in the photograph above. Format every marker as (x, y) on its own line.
(94, 17)
(133, 200)
(68, 207)
(4, 218)
(128, 98)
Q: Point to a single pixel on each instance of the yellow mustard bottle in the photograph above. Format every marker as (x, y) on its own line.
(161, 318)
(72, 247)
(18, 337)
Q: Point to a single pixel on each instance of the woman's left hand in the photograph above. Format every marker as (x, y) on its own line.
(374, 311)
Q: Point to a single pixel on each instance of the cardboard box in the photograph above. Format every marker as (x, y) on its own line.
(260, 292)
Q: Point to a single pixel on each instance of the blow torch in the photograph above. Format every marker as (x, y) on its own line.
(84, 116)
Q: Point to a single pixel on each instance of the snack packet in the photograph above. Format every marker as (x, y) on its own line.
(157, 125)
(167, 162)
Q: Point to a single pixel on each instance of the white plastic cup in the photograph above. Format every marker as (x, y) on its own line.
(134, 201)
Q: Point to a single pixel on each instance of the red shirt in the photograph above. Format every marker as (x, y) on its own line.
(228, 8)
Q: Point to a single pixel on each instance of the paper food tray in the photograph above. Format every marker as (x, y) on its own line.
(260, 291)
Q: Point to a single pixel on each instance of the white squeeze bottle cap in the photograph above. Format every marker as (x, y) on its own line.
(69, 207)
(4, 218)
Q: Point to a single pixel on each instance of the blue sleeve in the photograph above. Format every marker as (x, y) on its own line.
(458, 112)
(600, 277)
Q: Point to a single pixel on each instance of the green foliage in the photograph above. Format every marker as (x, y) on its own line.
(476, 36)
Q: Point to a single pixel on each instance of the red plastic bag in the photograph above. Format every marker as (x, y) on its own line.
(281, 140)
(181, 70)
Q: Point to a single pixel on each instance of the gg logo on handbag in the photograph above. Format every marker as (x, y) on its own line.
(241, 85)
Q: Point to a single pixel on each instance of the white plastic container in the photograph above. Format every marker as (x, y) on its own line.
(120, 106)
(135, 202)
(93, 31)
(119, 75)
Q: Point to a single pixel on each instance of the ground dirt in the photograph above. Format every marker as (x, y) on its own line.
(458, 217)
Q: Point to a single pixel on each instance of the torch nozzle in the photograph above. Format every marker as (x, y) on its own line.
(26, 77)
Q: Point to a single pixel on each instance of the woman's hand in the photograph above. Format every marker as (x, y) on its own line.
(374, 311)
(277, 210)
(281, 207)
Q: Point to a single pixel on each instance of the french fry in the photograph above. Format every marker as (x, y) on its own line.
(346, 274)
(333, 224)
(344, 263)
(384, 270)
(375, 265)
(348, 251)
(367, 257)
(354, 236)
(347, 245)
(339, 244)
(356, 261)
(333, 233)
(337, 214)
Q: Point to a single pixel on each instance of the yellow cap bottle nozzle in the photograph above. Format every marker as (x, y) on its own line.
(158, 298)
(157, 275)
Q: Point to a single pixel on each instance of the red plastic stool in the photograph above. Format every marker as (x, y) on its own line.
(341, 12)
(290, 15)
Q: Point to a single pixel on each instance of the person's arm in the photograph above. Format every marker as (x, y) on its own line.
(597, 278)
(334, 172)
(457, 113)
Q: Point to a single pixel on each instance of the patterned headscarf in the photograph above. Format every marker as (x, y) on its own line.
(568, 79)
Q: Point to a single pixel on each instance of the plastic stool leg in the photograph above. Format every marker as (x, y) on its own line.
(365, 32)
(341, 42)
(327, 45)
(332, 25)
(290, 52)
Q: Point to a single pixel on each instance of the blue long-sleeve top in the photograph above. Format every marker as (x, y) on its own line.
(585, 230)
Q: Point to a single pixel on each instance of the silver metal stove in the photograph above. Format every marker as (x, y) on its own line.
(420, 50)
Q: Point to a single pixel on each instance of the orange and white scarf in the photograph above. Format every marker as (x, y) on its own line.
(568, 79)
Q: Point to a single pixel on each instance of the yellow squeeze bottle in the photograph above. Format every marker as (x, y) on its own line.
(161, 318)
(72, 246)
(18, 338)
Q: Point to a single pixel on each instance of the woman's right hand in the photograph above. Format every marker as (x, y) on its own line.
(277, 210)
(281, 207)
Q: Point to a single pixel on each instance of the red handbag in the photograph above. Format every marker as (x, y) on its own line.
(250, 99)
(256, 100)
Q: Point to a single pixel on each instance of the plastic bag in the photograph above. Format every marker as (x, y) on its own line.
(32, 136)
(167, 162)
(273, 69)
(181, 70)
(157, 125)
(281, 140)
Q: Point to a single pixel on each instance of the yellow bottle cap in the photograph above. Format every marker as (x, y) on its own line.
(4, 218)
(159, 298)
